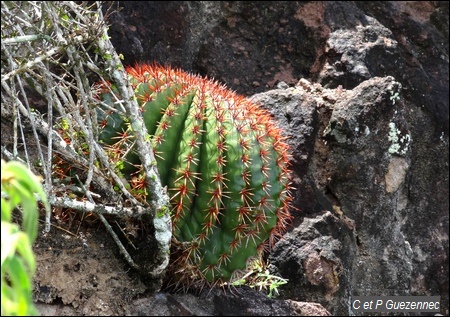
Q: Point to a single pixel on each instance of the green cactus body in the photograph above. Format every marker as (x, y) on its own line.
(222, 159)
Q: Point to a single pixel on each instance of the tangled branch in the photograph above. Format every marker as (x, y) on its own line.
(54, 55)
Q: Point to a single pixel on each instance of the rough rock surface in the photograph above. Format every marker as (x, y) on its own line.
(361, 89)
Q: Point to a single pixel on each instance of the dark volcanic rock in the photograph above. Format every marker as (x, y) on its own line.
(316, 258)
(238, 302)
(360, 164)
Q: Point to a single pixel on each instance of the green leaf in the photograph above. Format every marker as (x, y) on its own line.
(21, 185)
(6, 211)
(9, 240)
(26, 252)
(18, 276)
(29, 206)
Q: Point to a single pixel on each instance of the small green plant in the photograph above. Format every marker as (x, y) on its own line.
(19, 186)
(394, 97)
(260, 278)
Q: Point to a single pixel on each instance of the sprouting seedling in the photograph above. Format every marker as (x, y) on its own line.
(394, 97)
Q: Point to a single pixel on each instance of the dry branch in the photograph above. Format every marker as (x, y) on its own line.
(54, 54)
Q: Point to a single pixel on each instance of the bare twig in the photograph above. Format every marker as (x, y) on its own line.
(60, 51)
(158, 195)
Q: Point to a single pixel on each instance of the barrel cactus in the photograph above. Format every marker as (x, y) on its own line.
(223, 160)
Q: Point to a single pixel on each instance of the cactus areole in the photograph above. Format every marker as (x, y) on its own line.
(223, 160)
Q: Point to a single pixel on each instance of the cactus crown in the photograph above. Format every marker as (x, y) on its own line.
(223, 161)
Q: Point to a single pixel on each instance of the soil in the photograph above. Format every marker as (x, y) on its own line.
(80, 270)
